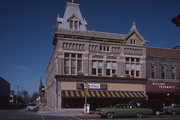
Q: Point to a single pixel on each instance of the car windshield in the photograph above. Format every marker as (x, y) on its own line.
(31, 104)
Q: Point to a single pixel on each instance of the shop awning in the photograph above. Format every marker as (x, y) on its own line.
(103, 94)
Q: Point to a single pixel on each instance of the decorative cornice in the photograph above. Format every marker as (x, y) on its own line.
(101, 79)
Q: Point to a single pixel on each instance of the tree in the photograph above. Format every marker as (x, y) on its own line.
(176, 20)
(25, 96)
(34, 97)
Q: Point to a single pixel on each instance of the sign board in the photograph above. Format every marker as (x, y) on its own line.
(94, 86)
(160, 86)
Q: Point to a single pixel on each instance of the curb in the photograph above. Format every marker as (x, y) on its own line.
(84, 115)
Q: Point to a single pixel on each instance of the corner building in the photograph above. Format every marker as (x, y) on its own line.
(113, 65)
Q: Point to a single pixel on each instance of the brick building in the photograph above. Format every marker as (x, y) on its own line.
(112, 65)
(163, 68)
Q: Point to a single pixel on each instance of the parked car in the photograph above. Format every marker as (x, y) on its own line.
(32, 107)
(154, 104)
(124, 110)
(175, 109)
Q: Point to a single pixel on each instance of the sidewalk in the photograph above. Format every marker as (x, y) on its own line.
(70, 112)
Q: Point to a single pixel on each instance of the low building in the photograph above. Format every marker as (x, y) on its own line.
(113, 66)
(4, 92)
(163, 68)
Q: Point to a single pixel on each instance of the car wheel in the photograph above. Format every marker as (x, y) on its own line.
(102, 116)
(109, 115)
(157, 113)
(174, 112)
(139, 115)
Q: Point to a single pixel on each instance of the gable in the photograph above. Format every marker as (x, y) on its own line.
(135, 38)
(74, 18)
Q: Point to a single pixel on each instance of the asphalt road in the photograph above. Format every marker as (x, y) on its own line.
(22, 114)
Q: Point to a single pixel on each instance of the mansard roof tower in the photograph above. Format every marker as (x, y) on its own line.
(72, 18)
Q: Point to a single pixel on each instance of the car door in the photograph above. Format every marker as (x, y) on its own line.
(122, 111)
(132, 110)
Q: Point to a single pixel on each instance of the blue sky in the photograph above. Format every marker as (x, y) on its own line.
(27, 27)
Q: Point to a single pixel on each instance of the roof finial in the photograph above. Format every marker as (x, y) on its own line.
(134, 26)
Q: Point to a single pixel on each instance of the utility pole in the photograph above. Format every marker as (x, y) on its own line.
(85, 96)
(42, 95)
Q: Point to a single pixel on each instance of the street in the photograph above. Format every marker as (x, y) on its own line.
(22, 114)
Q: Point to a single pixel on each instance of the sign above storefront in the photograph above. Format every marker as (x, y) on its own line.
(94, 86)
(160, 86)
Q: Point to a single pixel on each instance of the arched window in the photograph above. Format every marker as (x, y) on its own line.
(71, 24)
(75, 25)
(173, 72)
(163, 73)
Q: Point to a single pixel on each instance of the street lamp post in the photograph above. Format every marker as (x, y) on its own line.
(85, 96)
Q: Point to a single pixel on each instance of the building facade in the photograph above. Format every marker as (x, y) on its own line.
(4, 92)
(163, 68)
(112, 65)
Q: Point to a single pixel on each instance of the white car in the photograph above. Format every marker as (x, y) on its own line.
(32, 107)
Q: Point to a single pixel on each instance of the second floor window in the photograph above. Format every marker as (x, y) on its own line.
(97, 67)
(153, 71)
(132, 67)
(111, 68)
(162, 72)
(72, 63)
(173, 72)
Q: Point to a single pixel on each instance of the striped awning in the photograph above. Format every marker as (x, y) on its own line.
(103, 94)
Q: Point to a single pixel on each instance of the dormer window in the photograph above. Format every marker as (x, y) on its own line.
(132, 41)
(74, 23)
(71, 24)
